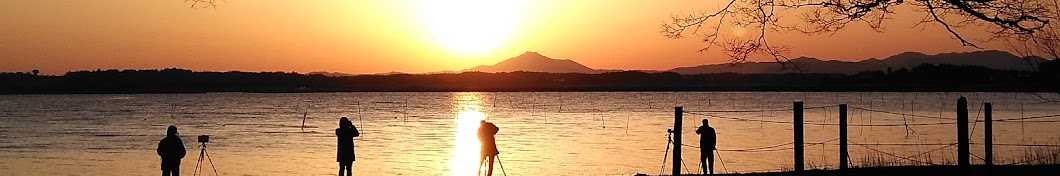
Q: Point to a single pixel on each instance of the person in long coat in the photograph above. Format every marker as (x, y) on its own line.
(486, 132)
(171, 150)
(345, 155)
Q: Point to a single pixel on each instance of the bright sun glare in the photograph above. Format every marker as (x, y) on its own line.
(471, 26)
(466, 145)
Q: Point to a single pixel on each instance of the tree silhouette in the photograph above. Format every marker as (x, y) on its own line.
(1005, 19)
(1045, 43)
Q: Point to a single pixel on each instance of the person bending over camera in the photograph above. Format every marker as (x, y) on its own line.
(486, 132)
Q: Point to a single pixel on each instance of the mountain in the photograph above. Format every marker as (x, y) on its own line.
(991, 59)
(535, 62)
(331, 74)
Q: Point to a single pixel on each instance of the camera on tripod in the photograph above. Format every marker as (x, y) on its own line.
(204, 138)
(667, 131)
(203, 156)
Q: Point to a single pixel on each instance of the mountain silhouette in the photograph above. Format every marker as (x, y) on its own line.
(331, 74)
(993, 59)
(535, 62)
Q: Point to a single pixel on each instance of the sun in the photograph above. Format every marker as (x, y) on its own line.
(471, 26)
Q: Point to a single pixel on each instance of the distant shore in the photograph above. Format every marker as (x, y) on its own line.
(943, 170)
(925, 78)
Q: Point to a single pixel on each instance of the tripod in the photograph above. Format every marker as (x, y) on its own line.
(199, 164)
(485, 161)
(669, 142)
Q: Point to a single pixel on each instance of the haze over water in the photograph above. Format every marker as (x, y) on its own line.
(541, 133)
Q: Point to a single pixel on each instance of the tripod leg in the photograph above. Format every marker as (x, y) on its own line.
(211, 161)
(502, 165)
(198, 162)
(665, 155)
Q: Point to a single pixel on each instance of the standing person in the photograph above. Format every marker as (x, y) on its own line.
(708, 141)
(345, 156)
(486, 131)
(171, 149)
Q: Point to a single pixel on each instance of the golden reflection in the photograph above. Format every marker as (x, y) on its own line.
(465, 141)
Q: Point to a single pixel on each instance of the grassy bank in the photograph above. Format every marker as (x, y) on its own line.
(1031, 161)
(924, 170)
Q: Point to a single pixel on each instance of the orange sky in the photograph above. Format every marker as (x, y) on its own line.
(365, 36)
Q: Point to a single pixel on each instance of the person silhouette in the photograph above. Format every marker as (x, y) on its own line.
(171, 150)
(345, 155)
(708, 141)
(486, 132)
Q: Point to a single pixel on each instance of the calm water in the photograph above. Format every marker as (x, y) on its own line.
(543, 133)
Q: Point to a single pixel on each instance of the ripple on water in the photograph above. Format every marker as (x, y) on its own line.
(542, 133)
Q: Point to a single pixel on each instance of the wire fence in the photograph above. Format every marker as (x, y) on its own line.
(908, 121)
(1020, 119)
(1049, 155)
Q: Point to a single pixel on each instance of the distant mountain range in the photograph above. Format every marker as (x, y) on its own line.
(993, 59)
(972, 71)
(535, 62)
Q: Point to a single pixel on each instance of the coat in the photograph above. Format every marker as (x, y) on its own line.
(345, 147)
(486, 134)
(708, 139)
(171, 149)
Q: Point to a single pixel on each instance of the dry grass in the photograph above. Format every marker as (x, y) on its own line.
(1028, 156)
(879, 159)
(1034, 156)
(1039, 160)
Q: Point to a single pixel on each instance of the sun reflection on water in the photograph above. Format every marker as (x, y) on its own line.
(466, 145)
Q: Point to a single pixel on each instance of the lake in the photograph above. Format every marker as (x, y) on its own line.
(541, 133)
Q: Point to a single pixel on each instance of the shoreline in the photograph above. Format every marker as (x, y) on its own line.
(928, 78)
(940, 170)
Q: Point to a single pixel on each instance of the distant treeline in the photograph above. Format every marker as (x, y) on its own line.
(921, 78)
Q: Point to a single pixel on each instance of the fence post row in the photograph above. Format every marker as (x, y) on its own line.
(962, 136)
(797, 113)
(963, 152)
(842, 138)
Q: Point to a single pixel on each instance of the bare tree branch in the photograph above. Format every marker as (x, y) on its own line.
(934, 15)
(202, 3)
(1006, 19)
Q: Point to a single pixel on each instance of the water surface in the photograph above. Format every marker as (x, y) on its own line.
(542, 133)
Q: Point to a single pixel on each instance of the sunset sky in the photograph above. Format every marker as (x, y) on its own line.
(414, 36)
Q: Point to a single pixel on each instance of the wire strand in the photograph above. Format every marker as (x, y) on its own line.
(905, 158)
(901, 114)
(769, 148)
(763, 110)
(822, 124)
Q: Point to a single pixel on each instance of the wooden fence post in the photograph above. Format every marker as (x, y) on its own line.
(677, 140)
(797, 115)
(842, 138)
(962, 136)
